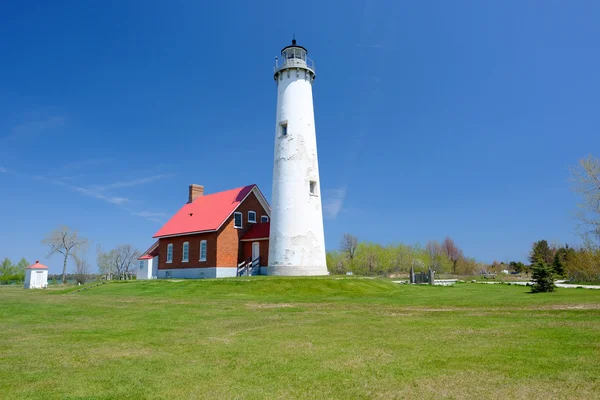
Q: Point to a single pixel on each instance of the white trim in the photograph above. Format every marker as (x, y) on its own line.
(205, 250)
(183, 252)
(171, 260)
(264, 216)
(253, 212)
(253, 239)
(241, 220)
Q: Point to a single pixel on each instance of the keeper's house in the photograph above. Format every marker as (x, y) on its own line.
(218, 235)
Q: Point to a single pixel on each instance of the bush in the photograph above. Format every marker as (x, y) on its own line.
(543, 278)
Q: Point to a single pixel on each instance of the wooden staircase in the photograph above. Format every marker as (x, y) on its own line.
(249, 267)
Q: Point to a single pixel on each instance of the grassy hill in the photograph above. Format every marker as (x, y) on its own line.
(283, 338)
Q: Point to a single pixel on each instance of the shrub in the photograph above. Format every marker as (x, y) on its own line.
(543, 278)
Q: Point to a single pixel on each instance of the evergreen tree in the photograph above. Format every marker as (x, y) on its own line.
(540, 252)
(558, 265)
(543, 279)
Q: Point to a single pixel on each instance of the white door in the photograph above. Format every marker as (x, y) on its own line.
(255, 250)
(38, 279)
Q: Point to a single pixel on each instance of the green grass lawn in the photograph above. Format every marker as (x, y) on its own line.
(310, 338)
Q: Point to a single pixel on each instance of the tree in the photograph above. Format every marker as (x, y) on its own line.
(586, 179)
(65, 242)
(560, 258)
(453, 252)
(540, 252)
(517, 266)
(435, 252)
(543, 280)
(117, 261)
(348, 245)
(105, 266)
(6, 268)
(81, 268)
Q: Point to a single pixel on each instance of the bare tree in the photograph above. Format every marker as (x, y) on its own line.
(105, 265)
(453, 252)
(586, 179)
(118, 261)
(81, 267)
(435, 251)
(349, 244)
(65, 242)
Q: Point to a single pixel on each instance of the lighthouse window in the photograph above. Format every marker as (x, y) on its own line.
(283, 128)
(313, 188)
(252, 217)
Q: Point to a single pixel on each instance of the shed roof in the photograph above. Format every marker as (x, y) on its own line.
(37, 265)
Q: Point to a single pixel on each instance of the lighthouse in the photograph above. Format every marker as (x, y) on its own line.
(296, 238)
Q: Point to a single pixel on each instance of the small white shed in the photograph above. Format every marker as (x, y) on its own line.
(36, 276)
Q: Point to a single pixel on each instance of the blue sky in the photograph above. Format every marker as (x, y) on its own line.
(434, 118)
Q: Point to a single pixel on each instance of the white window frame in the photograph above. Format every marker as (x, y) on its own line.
(141, 266)
(250, 221)
(264, 218)
(241, 220)
(203, 243)
(185, 257)
(169, 253)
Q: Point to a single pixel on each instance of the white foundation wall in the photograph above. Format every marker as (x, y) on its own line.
(197, 273)
(296, 242)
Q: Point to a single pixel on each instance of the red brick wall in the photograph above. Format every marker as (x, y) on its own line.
(224, 248)
(264, 251)
(230, 252)
(194, 256)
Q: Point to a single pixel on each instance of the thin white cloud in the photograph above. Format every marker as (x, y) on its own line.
(333, 202)
(147, 214)
(94, 194)
(33, 128)
(4, 170)
(134, 182)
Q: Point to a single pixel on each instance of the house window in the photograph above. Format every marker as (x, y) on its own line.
(252, 217)
(203, 250)
(237, 220)
(141, 264)
(264, 218)
(283, 128)
(313, 188)
(186, 252)
(170, 253)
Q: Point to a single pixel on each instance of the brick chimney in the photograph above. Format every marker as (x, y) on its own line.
(195, 191)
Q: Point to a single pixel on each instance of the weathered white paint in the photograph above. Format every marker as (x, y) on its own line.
(36, 278)
(197, 273)
(296, 242)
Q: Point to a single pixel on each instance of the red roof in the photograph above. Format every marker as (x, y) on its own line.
(258, 231)
(37, 265)
(150, 253)
(205, 213)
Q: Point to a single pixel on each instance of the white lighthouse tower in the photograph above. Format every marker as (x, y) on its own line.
(296, 239)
